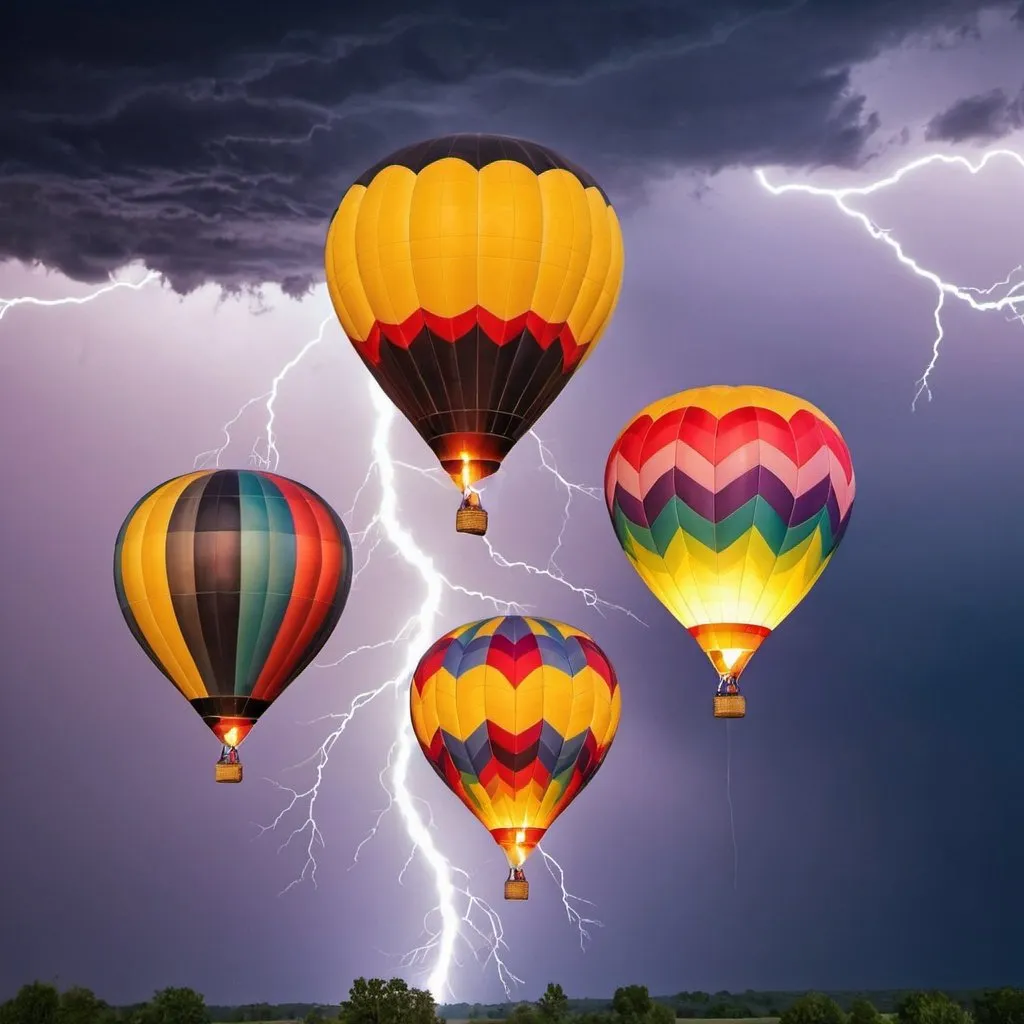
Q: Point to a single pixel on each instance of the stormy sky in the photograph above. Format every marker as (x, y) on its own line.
(876, 782)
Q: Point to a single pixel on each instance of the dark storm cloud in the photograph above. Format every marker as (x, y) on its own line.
(985, 117)
(213, 141)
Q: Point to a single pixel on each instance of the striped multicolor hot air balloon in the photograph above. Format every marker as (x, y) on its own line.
(515, 715)
(231, 581)
(729, 502)
(474, 274)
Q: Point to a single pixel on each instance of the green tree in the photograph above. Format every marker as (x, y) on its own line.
(553, 1006)
(376, 1001)
(931, 1008)
(1001, 1006)
(174, 1006)
(862, 1011)
(81, 1006)
(813, 1008)
(36, 1003)
(631, 1004)
(945, 1011)
(659, 1013)
(524, 1013)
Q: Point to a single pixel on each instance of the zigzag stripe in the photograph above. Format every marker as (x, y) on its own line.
(715, 508)
(679, 455)
(716, 439)
(551, 781)
(756, 514)
(538, 754)
(470, 325)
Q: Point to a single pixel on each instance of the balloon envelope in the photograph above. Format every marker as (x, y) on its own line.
(730, 502)
(474, 274)
(232, 581)
(515, 714)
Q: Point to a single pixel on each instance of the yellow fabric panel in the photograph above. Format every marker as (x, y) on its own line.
(383, 247)
(565, 249)
(488, 629)
(744, 583)
(511, 229)
(144, 575)
(603, 280)
(341, 263)
(423, 710)
(451, 238)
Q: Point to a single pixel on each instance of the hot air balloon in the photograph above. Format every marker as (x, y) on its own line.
(515, 715)
(474, 275)
(729, 502)
(231, 581)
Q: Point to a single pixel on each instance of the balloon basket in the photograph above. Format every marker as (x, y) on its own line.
(471, 520)
(228, 772)
(516, 889)
(730, 705)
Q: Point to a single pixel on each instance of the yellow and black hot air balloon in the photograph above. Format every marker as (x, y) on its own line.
(232, 581)
(474, 274)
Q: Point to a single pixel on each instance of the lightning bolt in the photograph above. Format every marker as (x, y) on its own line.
(459, 914)
(6, 305)
(1009, 293)
(460, 917)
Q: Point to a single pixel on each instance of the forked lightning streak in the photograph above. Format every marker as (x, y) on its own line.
(476, 923)
(1009, 292)
(77, 300)
(459, 914)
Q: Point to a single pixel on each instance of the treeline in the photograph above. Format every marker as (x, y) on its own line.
(633, 1004)
(725, 1005)
(376, 1001)
(369, 1002)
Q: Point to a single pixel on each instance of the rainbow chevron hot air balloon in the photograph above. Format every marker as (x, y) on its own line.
(515, 715)
(474, 274)
(729, 502)
(231, 581)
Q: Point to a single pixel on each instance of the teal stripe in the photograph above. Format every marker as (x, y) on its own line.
(469, 634)
(268, 574)
(549, 627)
(756, 513)
(821, 522)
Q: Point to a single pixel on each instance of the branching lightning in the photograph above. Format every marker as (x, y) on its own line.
(460, 917)
(76, 300)
(1009, 293)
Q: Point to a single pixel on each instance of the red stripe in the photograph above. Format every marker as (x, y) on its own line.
(735, 627)
(452, 328)
(716, 439)
(318, 555)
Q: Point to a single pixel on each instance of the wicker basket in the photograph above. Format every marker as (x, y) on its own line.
(471, 520)
(730, 705)
(225, 772)
(517, 890)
